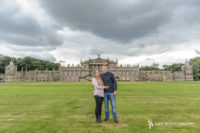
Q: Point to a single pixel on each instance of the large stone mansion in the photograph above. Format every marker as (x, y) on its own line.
(83, 72)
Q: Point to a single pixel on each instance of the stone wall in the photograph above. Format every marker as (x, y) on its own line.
(179, 76)
(161, 76)
(2, 76)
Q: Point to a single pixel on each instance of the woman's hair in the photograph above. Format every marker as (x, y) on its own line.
(98, 78)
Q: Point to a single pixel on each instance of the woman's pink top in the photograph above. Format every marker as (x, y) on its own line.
(98, 89)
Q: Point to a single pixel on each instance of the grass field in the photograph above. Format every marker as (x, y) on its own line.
(62, 107)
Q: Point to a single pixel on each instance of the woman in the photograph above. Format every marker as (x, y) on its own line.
(98, 93)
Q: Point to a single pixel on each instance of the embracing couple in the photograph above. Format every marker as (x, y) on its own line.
(105, 88)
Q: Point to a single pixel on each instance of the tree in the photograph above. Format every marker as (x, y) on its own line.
(154, 66)
(195, 62)
(4, 61)
(174, 67)
(28, 62)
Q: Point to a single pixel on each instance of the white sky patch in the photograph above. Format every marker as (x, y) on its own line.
(32, 7)
(23, 51)
(180, 54)
(67, 33)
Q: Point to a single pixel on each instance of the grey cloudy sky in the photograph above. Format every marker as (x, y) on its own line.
(134, 31)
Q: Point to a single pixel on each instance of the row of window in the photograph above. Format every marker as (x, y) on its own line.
(126, 73)
(73, 73)
(78, 73)
(189, 74)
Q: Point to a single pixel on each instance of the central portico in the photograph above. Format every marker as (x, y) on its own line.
(97, 64)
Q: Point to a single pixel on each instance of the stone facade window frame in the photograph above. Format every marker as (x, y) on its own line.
(70, 73)
(65, 73)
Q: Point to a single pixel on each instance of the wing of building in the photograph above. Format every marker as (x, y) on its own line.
(83, 72)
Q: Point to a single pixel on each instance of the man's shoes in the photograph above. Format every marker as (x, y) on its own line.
(116, 121)
(105, 119)
(98, 121)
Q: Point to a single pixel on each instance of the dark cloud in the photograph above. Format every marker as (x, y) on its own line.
(23, 29)
(118, 20)
(110, 19)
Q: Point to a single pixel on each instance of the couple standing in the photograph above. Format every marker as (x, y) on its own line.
(105, 88)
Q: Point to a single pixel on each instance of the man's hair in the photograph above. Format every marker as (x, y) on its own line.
(104, 65)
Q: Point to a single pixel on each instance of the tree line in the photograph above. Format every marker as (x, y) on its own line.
(173, 67)
(28, 63)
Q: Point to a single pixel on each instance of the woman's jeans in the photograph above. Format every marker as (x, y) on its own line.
(99, 101)
(110, 96)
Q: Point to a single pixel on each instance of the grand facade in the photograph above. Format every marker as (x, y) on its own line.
(83, 72)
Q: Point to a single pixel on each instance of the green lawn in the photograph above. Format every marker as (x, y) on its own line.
(62, 107)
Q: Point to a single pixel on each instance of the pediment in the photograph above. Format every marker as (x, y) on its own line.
(98, 61)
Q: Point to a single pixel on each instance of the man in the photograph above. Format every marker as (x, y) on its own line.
(110, 93)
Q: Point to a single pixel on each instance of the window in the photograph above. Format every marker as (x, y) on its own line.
(69, 73)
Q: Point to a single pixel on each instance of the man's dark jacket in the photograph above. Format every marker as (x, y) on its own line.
(109, 80)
